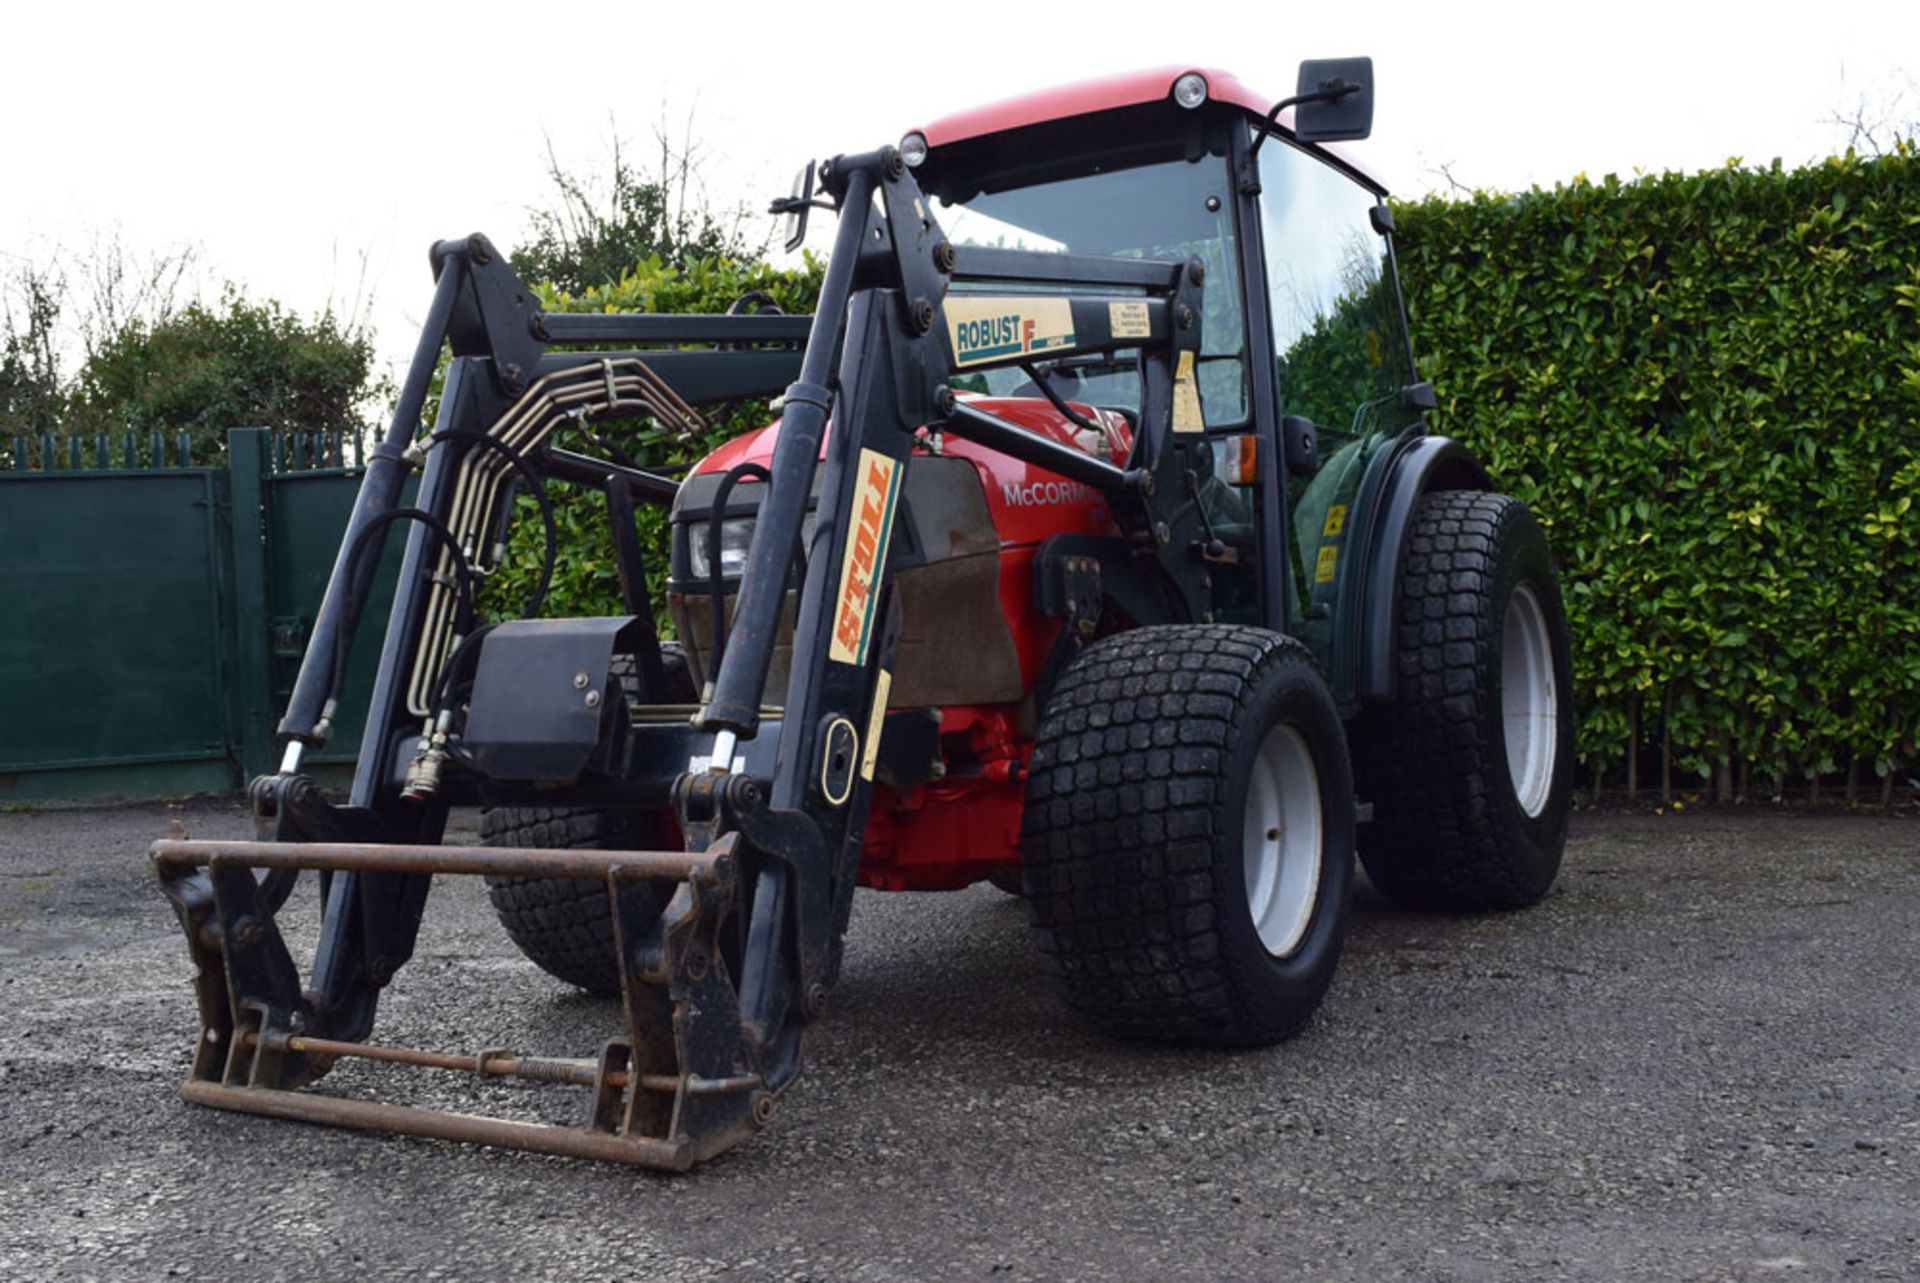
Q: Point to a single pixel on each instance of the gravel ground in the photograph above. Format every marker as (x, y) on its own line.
(1699, 1059)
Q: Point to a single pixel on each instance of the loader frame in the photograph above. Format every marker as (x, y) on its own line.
(769, 795)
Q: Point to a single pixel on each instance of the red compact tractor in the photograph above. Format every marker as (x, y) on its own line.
(1099, 551)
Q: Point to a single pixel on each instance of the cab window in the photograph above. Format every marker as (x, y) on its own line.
(1340, 359)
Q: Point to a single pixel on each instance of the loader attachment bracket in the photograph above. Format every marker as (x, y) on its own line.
(710, 803)
(682, 1085)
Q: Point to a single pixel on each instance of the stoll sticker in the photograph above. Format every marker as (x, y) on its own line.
(993, 328)
(1186, 398)
(875, 489)
(1129, 320)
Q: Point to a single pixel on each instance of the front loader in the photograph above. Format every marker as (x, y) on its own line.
(1099, 550)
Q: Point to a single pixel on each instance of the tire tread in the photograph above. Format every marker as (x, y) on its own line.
(1124, 805)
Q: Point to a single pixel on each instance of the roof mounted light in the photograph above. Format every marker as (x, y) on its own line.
(1190, 90)
(913, 150)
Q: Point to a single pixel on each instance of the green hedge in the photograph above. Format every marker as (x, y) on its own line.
(1708, 387)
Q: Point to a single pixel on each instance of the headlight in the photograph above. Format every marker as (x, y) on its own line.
(913, 150)
(736, 536)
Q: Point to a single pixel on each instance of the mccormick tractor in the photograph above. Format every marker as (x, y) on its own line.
(1099, 550)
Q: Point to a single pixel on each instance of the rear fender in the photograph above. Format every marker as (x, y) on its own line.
(1421, 465)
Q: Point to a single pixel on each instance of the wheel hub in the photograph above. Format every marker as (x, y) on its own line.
(1281, 840)
(1529, 700)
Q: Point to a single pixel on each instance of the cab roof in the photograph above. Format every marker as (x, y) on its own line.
(1106, 93)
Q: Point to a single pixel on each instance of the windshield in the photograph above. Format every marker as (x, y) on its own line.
(1164, 209)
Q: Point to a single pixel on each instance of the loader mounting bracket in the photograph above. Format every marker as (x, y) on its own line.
(680, 1086)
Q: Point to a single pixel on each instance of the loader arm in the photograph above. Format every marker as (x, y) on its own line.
(770, 788)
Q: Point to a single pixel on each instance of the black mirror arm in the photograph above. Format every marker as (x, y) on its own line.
(1329, 91)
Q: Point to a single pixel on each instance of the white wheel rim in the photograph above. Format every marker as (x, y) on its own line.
(1282, 840)
(1529, 700)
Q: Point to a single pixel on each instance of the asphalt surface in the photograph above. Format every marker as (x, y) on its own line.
(1699, 1059)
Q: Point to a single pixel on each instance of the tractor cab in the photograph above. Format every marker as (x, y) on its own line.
(1304, 370)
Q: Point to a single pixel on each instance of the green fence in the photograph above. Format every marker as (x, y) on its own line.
(153, 614)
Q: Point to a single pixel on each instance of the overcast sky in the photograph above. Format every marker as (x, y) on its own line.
(311, 152)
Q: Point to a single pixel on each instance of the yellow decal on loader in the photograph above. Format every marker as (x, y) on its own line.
(994, 327)
(1327, 565)
(869, 524)
(1186, 398)
(881, 689)
(1336, 520)
(1129, 320)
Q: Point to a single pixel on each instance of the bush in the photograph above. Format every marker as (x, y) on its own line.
(202, 370)
(1708, 387)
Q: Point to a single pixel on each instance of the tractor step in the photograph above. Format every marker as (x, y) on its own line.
(678, 1088)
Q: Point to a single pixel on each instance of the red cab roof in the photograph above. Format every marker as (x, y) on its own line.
(1126, 89)
(1108, 92)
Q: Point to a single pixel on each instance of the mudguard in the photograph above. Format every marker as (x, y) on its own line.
(1410, 470)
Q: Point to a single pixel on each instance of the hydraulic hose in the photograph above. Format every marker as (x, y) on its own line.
(715, 579)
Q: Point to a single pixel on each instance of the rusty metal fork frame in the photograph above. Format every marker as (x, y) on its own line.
(674, 1091)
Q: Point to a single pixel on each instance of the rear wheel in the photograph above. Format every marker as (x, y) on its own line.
(565, 925)
(1187, 843)
(1470, 770)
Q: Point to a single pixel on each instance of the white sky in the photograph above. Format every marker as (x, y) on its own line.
(290, 143)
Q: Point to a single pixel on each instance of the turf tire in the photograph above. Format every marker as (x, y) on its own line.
(1134, 828)
(1449, 830)
(565, 925)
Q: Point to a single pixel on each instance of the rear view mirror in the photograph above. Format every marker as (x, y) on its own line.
(795, 207)
(1300, 444)
(1335, 97)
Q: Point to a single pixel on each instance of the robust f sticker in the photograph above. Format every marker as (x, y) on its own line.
(874, 493)
(995, 328)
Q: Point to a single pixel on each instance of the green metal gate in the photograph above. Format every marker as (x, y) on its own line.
(152, 615)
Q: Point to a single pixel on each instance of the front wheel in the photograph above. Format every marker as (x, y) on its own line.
(565, 925)
(1470, 770)
(1187, 843)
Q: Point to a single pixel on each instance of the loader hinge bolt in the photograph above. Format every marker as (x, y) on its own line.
(943, 257)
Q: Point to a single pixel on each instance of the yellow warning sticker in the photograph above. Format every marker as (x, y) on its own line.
(999, 327)
(1186, 398)
(1129, 320)
(1326, 566)
(881, 689)
(876, 488)
(1336, 520)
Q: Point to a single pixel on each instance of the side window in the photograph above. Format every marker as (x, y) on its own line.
(1340, 359)
(1338, 344)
